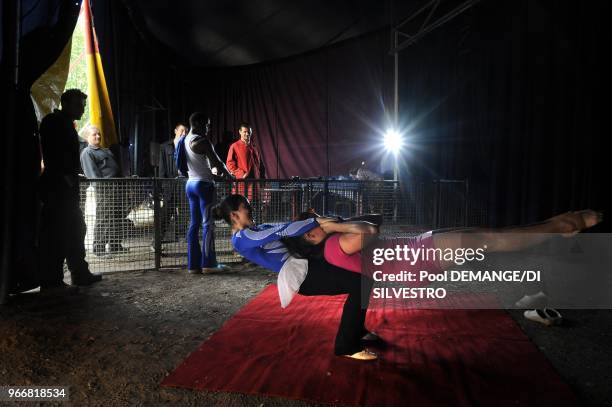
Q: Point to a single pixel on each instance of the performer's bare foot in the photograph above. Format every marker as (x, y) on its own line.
(570, 223)
(590, 217)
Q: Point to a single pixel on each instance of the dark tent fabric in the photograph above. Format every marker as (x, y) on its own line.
(504, 95)
(45, 28)
(509, 96)
(241, 32)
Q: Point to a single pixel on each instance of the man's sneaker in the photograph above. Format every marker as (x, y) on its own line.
(546, 316)
(219, 268)
(86, 279)
(538, 300)
(194, 271)
(59, 289)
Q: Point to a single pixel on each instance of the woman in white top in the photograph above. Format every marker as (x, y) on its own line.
(200, 189)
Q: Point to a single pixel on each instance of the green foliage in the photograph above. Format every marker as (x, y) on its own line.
(77, 74)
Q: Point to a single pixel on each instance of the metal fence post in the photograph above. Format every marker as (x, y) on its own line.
(395, 199)
(467, 202)
(325, 196)
(157, 223)
(436, 190)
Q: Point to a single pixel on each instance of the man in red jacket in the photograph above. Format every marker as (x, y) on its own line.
(244, 162)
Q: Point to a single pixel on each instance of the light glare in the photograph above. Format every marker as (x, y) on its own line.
(393, 141)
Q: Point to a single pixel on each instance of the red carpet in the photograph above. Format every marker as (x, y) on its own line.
(435, 357)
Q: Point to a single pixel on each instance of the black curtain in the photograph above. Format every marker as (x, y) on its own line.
(38, 36)
(509, 95)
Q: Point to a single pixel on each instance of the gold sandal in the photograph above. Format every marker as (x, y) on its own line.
(364, 355)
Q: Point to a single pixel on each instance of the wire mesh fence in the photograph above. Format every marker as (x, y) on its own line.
(141, 223)
(119, 215)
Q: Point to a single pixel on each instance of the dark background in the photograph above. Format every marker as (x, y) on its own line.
(510, 94)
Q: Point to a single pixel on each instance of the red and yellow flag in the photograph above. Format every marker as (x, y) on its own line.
(100, 112)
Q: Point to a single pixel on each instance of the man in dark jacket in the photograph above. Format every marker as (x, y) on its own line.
(62, 234)
(167, 163)
(169, 189)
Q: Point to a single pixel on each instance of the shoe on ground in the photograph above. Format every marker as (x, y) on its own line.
(152, 249)
(219, 268)
(546, 316)
(161, 246)
(194, 271)
(117, 248)
(106, 256)
(364, 355)
(59, 289)
(538, 300)
(371, 337)
(86, 279)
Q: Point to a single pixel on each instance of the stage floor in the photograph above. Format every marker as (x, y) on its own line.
(113, 343)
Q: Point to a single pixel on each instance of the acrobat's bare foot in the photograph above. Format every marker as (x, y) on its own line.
(590, 217)
(570, 223)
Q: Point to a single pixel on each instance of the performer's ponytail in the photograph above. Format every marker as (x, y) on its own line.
(230, 204)
(217, 213)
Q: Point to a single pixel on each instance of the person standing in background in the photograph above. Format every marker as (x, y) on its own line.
(200, 189)
(62, 234)
(244, 162)
(167, 164)
(169, 189)
(98, 162)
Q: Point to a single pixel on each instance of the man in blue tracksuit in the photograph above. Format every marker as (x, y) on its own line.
(200, 189)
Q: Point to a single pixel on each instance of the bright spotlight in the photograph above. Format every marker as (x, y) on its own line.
(393, 141)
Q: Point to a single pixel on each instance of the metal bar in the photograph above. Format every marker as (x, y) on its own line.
(395, 85)
(439, 22)
(467, 202)
(157, 221)
(436, 205)
(136, 142)
(416, 13)
(325, 197)
(434, 7)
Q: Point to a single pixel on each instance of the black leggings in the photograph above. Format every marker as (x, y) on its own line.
(326, 279)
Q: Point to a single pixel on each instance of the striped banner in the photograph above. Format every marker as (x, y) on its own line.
(100, 112)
